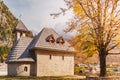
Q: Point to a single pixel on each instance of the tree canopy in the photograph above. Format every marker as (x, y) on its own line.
(102, 20)
(7, 25)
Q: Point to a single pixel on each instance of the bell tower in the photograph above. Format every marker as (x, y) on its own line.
(20, 30)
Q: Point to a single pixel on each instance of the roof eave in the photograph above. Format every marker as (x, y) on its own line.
(21, 30)
(38, 48)
(19, 61)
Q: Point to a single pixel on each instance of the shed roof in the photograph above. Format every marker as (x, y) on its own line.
(20, 51)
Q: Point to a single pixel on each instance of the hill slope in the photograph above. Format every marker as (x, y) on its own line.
(7, 24)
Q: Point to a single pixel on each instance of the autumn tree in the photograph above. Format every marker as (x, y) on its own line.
(86, 52)
(83, 43)
(102, 18)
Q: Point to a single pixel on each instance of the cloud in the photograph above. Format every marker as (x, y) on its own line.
(60, 29)
(36, 13)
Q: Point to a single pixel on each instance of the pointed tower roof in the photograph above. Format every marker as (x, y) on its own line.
(21, 27)
(41, 41)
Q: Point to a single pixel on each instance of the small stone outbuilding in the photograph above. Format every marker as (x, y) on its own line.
(47, 54)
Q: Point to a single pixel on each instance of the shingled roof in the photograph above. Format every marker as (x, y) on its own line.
(21, 27)
(41, 43)
(23, 47)
(20, 51)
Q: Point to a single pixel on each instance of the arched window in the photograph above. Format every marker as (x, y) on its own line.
(25, 68)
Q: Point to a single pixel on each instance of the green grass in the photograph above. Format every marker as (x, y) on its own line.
(37, 78)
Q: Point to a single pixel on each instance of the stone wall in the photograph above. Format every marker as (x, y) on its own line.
(51, 63)
(18, 69)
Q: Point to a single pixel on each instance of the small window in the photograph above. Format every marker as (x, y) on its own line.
(50, 39)
(62, 57)
(60, 40)
(20, 34)
(50, 57)
(25, 68)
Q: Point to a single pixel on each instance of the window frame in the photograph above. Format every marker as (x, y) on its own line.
(25, 68)
(63, 57)
(50, 56)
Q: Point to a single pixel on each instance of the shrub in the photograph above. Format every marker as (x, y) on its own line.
(4, 51)
(79, 69)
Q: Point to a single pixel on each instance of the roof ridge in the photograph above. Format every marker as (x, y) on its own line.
(35, 39)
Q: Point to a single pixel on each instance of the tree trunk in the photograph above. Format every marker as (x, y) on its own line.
(102, 57)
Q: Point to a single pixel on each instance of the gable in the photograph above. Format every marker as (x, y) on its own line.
(40, 41)
(21, 27)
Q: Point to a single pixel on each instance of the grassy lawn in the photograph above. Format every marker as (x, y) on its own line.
(113, 77)
(41, 78)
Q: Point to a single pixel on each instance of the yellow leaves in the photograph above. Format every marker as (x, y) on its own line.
(83, 42)
(85, 26)
(84, 30)
(78, 9)
(112, 17)
(5, 55)
(86, 8)
(76, 43)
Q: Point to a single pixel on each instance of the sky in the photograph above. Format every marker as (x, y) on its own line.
(35, 14)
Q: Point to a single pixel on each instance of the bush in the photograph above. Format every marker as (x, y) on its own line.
(4, 51)
(109, 70)
(79, 69)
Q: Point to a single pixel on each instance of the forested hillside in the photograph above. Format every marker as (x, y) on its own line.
(7, 25)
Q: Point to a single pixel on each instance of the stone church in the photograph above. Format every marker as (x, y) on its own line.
(47, 54)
